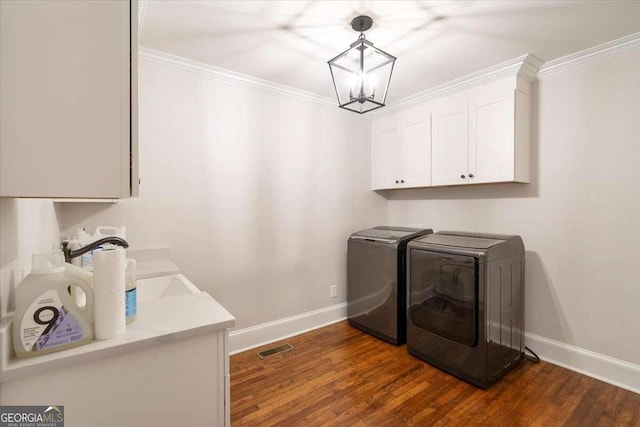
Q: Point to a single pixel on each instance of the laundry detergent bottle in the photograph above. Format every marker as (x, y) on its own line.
(47, 318)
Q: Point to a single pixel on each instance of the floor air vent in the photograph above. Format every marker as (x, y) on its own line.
(280, 349)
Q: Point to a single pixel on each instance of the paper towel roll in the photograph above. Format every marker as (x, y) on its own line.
(109, 268)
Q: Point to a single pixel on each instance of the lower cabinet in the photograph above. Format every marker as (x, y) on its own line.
(178, 382)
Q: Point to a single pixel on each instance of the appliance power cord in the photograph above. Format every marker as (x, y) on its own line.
(534, 358)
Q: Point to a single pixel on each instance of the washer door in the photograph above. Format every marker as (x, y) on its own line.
(443, 295)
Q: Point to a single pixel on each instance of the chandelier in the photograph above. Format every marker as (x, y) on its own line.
(361, 74)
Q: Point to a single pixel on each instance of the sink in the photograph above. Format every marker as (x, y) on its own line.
(164, 287)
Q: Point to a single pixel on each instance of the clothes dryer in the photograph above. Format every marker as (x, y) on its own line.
(465, 303)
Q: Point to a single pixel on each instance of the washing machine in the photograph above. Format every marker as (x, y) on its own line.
(376, 285)
(465, 303)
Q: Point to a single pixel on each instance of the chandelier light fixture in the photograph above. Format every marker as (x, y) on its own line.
(361, 74)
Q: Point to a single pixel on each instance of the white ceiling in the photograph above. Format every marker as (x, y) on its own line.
(289, 42)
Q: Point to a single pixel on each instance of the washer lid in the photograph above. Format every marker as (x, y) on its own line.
(387, 234)
(460, 241)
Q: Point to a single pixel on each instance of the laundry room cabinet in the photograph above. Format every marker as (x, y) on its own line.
(68, 76)
(401, 150)
(462, 134)
(450, 141)
(482, 135)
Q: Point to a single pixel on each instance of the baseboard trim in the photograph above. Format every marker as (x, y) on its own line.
(608, 369)
(605, 368)
(256, 336)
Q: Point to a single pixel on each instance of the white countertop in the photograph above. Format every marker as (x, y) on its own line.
(157, 321)
(168, 318)
(152, 262)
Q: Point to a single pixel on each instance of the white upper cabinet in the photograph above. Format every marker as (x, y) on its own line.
(415, 147)
(384, 152)
(474, 135)
(68, 123)
(492, 141)
(450, 141)
(401, 150)
(477, 135)
(482, 135)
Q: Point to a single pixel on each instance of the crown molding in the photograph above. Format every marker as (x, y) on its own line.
(525, 66)
(530, 67)
(625, 44)
(154, 57)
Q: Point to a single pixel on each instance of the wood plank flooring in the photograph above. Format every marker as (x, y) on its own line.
(339, 376)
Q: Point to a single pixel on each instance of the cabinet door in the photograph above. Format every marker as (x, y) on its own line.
(384, 153)
(66, 123)
(450, 141)
(491, 134)
(415, 147)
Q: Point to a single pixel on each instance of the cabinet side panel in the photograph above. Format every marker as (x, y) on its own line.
(175, 383)
(522, 137)
(133, 184)
(224, 407)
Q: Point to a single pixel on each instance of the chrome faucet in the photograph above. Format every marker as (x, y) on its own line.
(69, 254)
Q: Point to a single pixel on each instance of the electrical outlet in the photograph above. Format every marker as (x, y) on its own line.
(333, 291)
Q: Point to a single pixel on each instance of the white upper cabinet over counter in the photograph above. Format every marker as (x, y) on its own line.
(68, 76)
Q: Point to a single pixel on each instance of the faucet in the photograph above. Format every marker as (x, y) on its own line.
(69, 254)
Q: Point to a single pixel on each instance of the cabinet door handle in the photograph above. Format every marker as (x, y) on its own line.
(470, 175)
(397, 182)
(402, 181)
(462, 176)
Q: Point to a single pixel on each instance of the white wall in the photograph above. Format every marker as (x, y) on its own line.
(26, 227)
(580, 218)
(254, 192)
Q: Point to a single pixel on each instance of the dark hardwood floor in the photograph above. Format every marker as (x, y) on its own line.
(339, 376)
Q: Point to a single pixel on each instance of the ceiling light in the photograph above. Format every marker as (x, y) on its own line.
(361, 74)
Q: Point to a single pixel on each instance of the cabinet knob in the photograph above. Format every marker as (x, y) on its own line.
(397, 182)
(462, 176)
(470, 175)
(402, 181)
